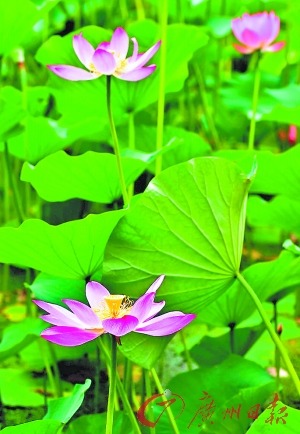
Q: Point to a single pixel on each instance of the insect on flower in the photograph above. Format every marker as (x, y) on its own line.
(109, 58)
(114, 314)
(257, 32)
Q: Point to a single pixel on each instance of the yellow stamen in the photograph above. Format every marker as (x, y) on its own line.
(93, 69)
(113, 306)
(121, 65)
(114, 303)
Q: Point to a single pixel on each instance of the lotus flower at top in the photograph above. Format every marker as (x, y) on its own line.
(257, 32)
(114, 314)
(109, 58)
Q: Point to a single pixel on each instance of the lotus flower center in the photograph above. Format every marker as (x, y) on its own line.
(114, 306)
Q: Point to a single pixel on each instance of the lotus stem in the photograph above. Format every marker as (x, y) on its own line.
(206, 108)
(48, 368)
(13, 186)
(97, 381)
(186, 351)
(149, 394)
(55, 368)
(272, 332)
(105, 354)
(277, 355)
(162, 78)
(254, 107)
(168, 409)
(127, 377)
(115, 142)
(112, 387)
(231, 334)
(131, 145)
(140, 10)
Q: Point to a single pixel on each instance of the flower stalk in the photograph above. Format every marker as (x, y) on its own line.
(206, 108)
(186, 351)
(272, 332)
(127, 377)
(277, 354)
(131, 145)
(55, 369)
(257, 76)
(115, 142)
(112, 387)
(149, 394)
(162, 79)
(231, 335)
(13, 186)
(52, 382)
(140, 10)
(168, 409)
(126, 404)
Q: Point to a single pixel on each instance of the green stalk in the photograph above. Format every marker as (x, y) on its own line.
(134, 397)
(208, 9)
(143, 392)
(115, 142)
(223, 7)
(24, 87)
(219, 70)
(186, 351)
(55, 368)
(277, 367)
(286, 73)
(206, 109)
(168, 409)
(46, 26)
(29, 304)
(45, 392)
(117, 405)
(297, 304)
(127, 377)
(254, 106)
(6, 196)
(180, 17)
(131, 143)
(13, 186)
(163, 5)
(97, 381)
(108, 367)
(93, 13)
(6, 215)
(271, 331)
(149, 394)
(2, 414)
(77, 16)
(231, 334)
(298, 73)
(127, 407)
(140, 9)
(112, 387)
(275, 314)
(5, 282)
(48, 368)
(277, 355)
(123, 9)
(124, 399)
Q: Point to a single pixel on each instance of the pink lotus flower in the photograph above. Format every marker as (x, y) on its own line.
(109, 58)
(257, 32)
(114, 314)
